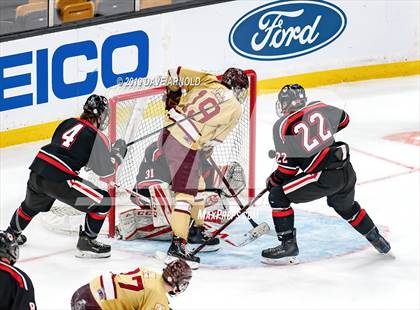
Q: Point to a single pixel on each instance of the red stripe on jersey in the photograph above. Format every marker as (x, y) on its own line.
(14, 274)
(100, 133)
(97, 216)
(309, 177)
(113, 284)
(23, 215)
(88, 189)
(296, 115)
(281, 213)
(287, 171)
(55, 163)
(359, 218)
(143, 184)
(345, 121)
(132, 272)
(320, 158)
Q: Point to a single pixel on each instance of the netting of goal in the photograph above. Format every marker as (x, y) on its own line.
(139, 112)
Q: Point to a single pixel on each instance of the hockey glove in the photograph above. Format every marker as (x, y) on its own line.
(273, 180)
(172, 98)
(119, 150)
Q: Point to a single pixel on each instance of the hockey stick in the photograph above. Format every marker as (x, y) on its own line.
(231, 191)
(223, 227)
(131, 192)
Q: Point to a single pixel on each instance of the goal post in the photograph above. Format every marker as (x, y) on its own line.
(136, 112)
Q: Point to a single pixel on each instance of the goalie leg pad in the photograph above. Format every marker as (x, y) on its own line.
(162, 200)
(138, 224)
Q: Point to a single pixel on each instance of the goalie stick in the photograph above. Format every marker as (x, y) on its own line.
(223, 227)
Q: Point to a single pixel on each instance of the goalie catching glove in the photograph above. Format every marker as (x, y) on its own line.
(118, 151)
(235, 176)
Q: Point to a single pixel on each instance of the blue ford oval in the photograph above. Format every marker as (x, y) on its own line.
(287, 29)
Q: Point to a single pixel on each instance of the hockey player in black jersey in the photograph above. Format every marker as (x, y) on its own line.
(311, 165)
(76, 143)
(16, 289)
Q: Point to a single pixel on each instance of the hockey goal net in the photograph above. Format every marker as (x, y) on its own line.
(138, 112)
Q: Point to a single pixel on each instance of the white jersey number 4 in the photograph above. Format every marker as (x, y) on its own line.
(70, 135)
(324, 133)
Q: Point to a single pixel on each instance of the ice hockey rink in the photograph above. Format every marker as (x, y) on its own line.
(338, 268)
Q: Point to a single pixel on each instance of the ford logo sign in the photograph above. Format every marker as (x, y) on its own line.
(287, 29)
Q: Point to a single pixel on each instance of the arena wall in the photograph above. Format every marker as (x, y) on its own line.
(46, 78)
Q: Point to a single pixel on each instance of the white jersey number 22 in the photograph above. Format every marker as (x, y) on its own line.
(309, 143)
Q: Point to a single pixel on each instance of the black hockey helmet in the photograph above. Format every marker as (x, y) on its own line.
(236, 80)
(97, 107)
(178, 275)
(9, 248)
(290, 98)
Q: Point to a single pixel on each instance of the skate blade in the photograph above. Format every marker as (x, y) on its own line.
(207, 248)
(291, 260)
(389, 254)
(193, 265)
(87, 254)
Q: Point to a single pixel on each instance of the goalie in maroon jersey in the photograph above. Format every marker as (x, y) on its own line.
(311, 165)
(76, 143)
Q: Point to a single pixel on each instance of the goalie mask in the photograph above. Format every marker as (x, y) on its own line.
(236, 80)
(98, 108)
(178, 275)
(290, 99)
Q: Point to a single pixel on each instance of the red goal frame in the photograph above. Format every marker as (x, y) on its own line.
(112, 133)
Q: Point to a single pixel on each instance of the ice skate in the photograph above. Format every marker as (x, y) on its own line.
(283, 254)
(198, 236)
(178, 250)
(91, 248)
(378, 241)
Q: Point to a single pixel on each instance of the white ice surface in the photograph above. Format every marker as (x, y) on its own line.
(389, 190)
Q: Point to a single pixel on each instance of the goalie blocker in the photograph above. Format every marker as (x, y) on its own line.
(155, 199)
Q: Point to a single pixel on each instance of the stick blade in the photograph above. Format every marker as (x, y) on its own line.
(255, 233)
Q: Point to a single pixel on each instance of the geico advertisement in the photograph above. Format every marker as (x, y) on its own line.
(32, 68)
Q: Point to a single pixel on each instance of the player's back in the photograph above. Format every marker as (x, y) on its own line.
(140, 289)
(218, 107)
(303, 139)
(17, 291)
(74, 144)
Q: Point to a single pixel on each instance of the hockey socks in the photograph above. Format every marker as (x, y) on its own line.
(95, 219)
(21, 219)
(284, 219)
(358, 218)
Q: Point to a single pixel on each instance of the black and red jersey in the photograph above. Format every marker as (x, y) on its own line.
(76, 143)
(16, 289)
(304, 139)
